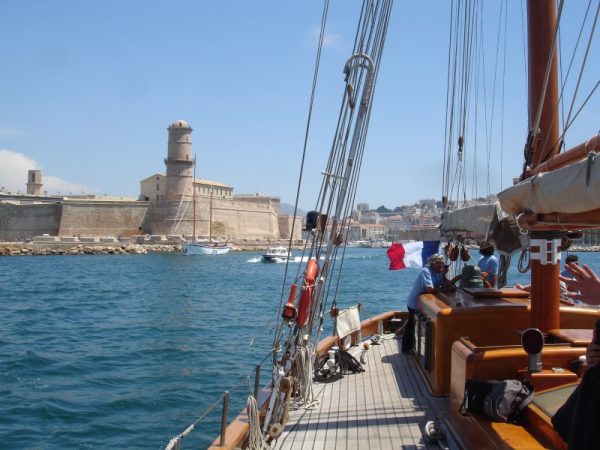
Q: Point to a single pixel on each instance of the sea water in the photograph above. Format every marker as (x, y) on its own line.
(126, 351)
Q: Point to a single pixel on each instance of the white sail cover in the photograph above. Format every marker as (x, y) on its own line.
(571, 189)
(473, 221)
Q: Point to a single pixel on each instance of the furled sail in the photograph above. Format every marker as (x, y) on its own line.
(471, 221)
(571, 189)
(484, 222)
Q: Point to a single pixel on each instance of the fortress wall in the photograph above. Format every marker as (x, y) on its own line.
(231, 219)
(161, 215)
(247, 221)
(274, 202)
(23, 221)
(285, 227)
(102, 218)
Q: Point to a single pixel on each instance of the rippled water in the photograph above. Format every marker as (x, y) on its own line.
(126, 351)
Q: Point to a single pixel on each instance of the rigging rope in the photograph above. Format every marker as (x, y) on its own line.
(302, 371)
(566, 77)
(179, 219)
(568, 122)
(306, 134)
(340, 178)
(466, 76)
(256, 441)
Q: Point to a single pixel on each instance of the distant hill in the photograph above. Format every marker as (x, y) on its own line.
(285, 209)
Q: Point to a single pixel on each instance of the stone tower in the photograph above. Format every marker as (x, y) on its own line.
(171, 212)
(179, 161)
(166, 215)
(34, 182)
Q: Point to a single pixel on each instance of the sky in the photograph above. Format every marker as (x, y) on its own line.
(88, 89)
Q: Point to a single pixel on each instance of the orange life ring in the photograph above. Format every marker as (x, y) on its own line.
(310, 275)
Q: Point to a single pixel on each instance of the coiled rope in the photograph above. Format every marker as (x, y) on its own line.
(302, 371)
(256, 441)
(345, 364)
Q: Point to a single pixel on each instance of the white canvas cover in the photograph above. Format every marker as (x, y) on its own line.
(347, 321)
(473, 220)
(571, 189)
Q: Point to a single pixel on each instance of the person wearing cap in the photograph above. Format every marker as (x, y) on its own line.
(430, 279)
(488, 265)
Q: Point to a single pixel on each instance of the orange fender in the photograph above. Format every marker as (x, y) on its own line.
(289, 310)
(310, 275)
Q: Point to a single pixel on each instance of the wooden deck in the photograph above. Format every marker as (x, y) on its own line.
(385, 407)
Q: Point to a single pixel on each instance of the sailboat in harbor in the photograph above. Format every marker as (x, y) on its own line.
(354, 388)
(195, 247)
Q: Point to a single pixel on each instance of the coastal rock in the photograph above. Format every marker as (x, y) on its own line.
(133, 249)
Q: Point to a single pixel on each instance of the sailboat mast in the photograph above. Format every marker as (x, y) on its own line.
(194, 202)
(544, 124)
(543, 103)
(210, 216)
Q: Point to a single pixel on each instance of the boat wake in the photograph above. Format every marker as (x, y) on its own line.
(293, 259)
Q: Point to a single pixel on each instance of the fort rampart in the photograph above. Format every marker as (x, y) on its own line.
(20, 221)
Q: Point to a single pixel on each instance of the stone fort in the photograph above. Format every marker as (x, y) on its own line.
(171, 204)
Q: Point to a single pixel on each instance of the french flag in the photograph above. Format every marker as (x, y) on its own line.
(412, 255)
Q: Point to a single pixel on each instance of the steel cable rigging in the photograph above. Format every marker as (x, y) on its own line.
(336, 197)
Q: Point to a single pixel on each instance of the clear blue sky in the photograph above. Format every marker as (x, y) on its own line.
(87, 90)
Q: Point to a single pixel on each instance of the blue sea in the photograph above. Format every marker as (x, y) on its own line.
(126, 351)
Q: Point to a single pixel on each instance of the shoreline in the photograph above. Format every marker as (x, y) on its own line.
(118, 248)
(70, 249)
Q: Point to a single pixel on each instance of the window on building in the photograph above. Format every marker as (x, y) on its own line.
(157, 187)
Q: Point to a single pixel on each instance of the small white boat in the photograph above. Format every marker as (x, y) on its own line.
(276, 255)
(205, 248)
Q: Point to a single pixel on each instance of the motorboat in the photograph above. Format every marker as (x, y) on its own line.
(276, 255)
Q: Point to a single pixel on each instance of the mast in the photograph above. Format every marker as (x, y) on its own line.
(541, 22)
(210, 216)
(194, 203)
(545, 289)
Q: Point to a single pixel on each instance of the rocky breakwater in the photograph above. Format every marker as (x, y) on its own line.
(25, 250)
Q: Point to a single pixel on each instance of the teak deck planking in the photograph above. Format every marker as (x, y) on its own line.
(385, 407)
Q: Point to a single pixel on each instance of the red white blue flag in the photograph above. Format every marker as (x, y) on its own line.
(412, 255)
